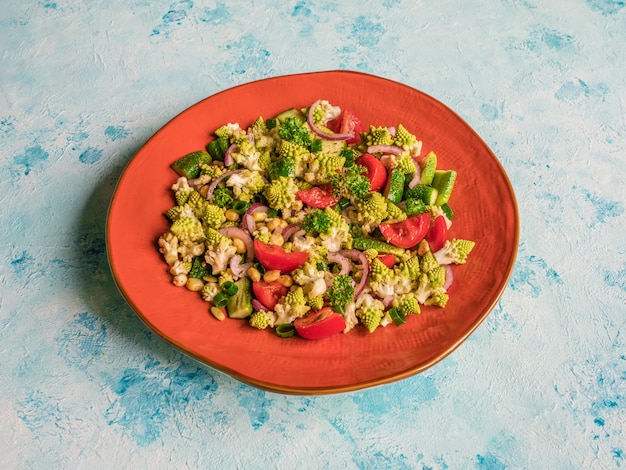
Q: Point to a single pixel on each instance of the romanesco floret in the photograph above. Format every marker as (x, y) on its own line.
(411, 268)
(231, 131)
(219, 251)
(403, 162)
(340, 293)
(325, 112)
(425, 291)
(182, 190)
(210, 172)
(407, 304)
(407, 141)
(168, 246)
(292, 306)
(437, 276)
(377, 136)
(281, 194)
(187, 229)
(262, 234)
(371, 210)
(428, 262)
(214, 216)
(394, 213)
(246, 155)
(245, 184)
(261, 319)
(323, 168)
(316, 303)
(173, 213)
(287, 149)
(439, 298)
(454, 251)
(337, 236)
(371, 317)
(382, 279)
(293, 131)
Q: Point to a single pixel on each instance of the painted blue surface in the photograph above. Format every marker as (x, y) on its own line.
(541, 384)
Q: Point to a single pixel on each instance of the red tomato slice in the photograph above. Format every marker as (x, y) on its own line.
(317, 197)
(437, 234)
(275, 257)
(376, 171)
(387, 259)
(349, 122)
(269, 293)
(320, 324)
(408, 233)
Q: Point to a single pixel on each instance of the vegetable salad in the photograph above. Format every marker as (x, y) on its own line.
(312, 224)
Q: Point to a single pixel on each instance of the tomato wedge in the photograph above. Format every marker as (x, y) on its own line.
(275, 257)
(376, 171)
(349, 122)
(317, 197)
(437, 234)
(269, 293)
(387, 259)
(408, 233)
(320, 324)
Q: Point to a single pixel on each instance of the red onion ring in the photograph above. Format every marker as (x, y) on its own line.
(236, 232)
(289, 230)
(341, 260)
(449, 277)
(248, 220)
(238, 269)
(388, 149)
(228, 158)
(417, 176)
(387, 301)
(392, 130)
(322, 133)
(209, 193)
(259, 306)
(356, 255)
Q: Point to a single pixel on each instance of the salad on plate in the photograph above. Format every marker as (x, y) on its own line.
(310, 224)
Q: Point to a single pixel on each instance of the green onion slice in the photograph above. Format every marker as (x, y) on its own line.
(286, 330)
(220, 300)
(229, 288)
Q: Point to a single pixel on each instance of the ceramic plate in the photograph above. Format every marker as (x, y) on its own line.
(483, 201)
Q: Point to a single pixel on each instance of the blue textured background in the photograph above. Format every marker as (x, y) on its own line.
(84, 384)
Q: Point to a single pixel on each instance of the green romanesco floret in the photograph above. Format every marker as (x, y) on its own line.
(371, 210)
(288, 149)
(220, 250)
(173, 213)
(407, 141)
(411, 268)
(428, 262)
(293, 131)
(281, 194)
(323, 168)
(187, 229)
(439, 298)
(316, 303)
(454, 251)
(325, 112)
(394, 213)
(247, 155)
(437, 276)
(182, 190)
(231, 131)
(377, 136)
(262, 234)
(261, 319)
(408, 304)
(340, 293)
(371, 254)
(210, 172)
(265, 159)
(382, 279)
(315, 222)
(213, 216)
(223, 197)
(292, 306)
(371, 317)
(245, 184)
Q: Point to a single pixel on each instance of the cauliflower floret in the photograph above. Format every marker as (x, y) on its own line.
(245, 184)
(454, 251)
(219, 251)
(290, 307)
(232, 131)
(350, 317)
(246, 155)
(338, 235)
(209, 291)
(312, 280)
(180, 267)
(325, 112)
(168, 246)
(304, 243)
(189, 250)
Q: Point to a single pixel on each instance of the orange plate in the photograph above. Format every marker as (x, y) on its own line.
(483, 201)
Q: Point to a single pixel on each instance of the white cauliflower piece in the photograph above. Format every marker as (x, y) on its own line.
(312, 280)
(219, 255)
(189, 250)
(350, 317)
(168, 246)
(335, 237)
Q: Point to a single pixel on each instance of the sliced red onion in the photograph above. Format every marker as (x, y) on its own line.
(289, 230)
(228, 157)
(209, 193)
(238, 269)
(299, 234)
(392, 130)
(449, 277)
(356, 255)
(387, 301)
(328, 135)
(341, 260)
(259, 306)
(417, 176)
(248, 220)
(387, 149)
(236, 232)
(251, 137)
